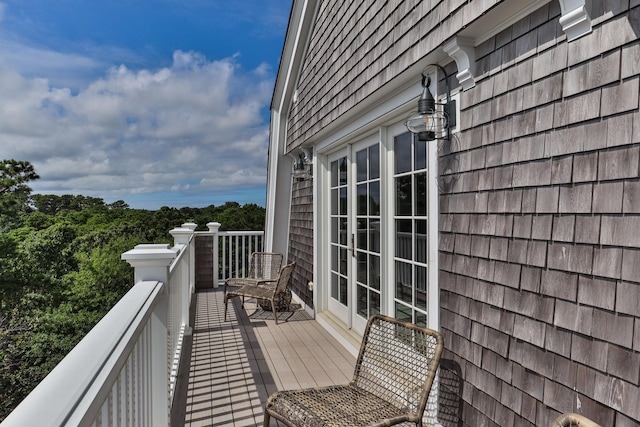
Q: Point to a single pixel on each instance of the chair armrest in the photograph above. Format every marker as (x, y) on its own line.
(268, 282)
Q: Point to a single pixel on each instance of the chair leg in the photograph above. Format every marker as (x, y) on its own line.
(267, 418)
(226, 305)
(273, 307)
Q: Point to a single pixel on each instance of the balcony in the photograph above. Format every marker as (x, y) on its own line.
(235, 365)
(165, 356)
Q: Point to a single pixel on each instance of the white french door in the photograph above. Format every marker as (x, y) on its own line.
(354, 236)
(382, 230)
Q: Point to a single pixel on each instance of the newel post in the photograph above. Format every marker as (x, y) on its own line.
(151, 263)
(214, 227)
(192, 256)
(182, 239)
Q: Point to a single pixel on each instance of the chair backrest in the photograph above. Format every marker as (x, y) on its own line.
(568, 420)
(284, 278)
(264, 265)
(398, 362)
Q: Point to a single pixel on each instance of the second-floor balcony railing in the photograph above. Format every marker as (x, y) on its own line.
(124, 370)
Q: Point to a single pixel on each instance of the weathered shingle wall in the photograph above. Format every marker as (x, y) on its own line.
(301, 239)
(356, 47)
(540, 239)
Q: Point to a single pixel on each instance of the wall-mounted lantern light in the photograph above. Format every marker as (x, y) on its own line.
(301, 168)
(433, 120)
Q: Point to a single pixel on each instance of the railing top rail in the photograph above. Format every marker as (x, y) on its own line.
(83, 372)
(180, 253)
(241, 233)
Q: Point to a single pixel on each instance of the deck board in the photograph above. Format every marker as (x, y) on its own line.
(235, 365)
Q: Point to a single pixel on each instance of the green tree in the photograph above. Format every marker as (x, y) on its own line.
(14, 191)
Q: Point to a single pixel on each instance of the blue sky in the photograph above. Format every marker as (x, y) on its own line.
(155, 102)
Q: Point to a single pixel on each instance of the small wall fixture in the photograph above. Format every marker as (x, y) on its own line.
(433, 120)
(301, 168)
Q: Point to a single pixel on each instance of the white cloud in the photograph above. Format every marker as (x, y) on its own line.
(195, 126)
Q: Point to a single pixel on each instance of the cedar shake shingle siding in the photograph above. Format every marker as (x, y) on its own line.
(540, 237)
(301, 239)
(540, 299)
(356, 47)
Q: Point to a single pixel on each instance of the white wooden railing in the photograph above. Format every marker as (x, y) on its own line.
(235, 248)
(123, 373)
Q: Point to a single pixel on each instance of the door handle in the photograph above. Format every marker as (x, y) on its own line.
(352, 247)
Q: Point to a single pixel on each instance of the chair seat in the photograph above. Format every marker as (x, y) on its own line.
(253, 291)
(241, 281)
(333, 406)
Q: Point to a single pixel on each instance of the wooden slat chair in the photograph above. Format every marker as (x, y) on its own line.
(265, 290)
(263, 267)
(393, 376)
(573, 420)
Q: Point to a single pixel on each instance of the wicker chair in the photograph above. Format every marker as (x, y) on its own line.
(266, 290)
(263, 266)
(570, 420)
(391, 383)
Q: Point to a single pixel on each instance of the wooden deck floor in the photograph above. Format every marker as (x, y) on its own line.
(236, 364)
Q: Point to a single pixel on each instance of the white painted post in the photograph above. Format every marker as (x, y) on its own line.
(190, 225)
(151, 262)
(181, 237)
(192, 259)
(214, 227)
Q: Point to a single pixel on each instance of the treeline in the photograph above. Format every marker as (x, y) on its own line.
(60, 268)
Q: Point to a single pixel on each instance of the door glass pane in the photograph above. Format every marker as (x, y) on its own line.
(362, 302)
(343, 231)
(343, 290)
(363, 233)
(421, 241)
(404, 282)
(421, 194)
(374, 162)
(343, 171)
(404, 242)
(421, 287)
(374, 198)
(420, 154)
(403, 312)
(335, 205)
(404, 194)
(362, 268)
(374, 271)
(361, 165)
(374, 303)
(362, 199)
(335, 256)
(421, 320)
(402, 153)
(374, 235)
